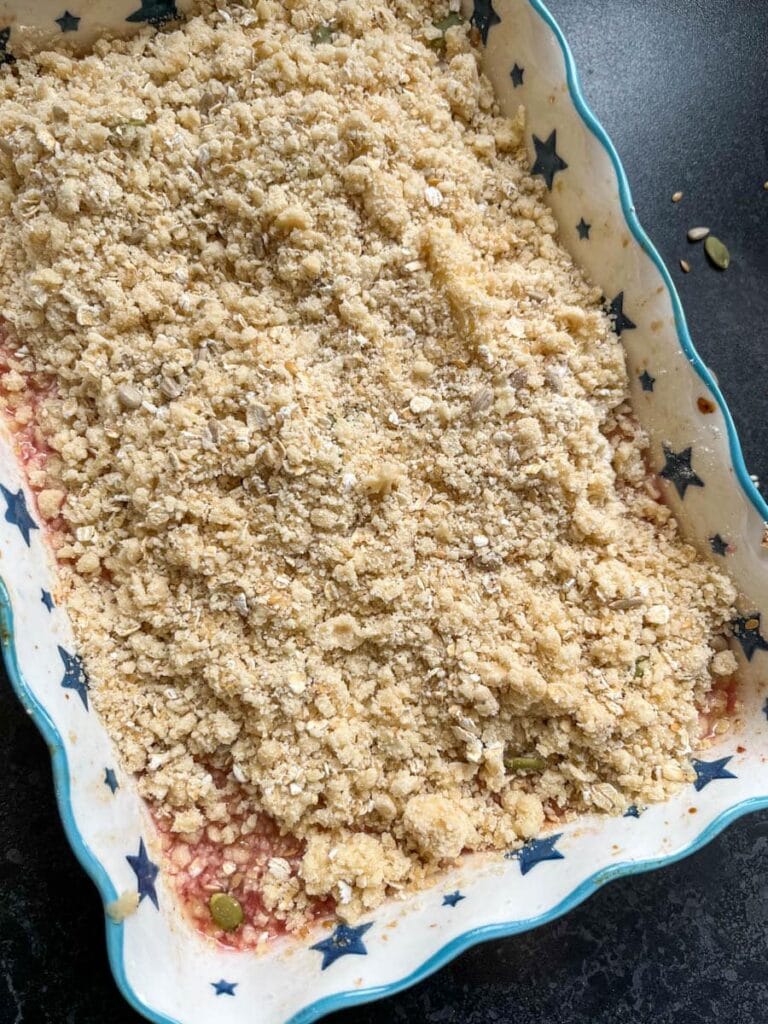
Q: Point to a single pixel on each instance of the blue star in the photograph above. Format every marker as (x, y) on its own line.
(583, 228)
(535, 851)
(484, 18)
(224, 988)
(16, 512)
(155, 12)
(646, 381)
(146, 872)
(548, 161)
(632, 812)
(74, 675)
(765, 707)
(678, 469)
(110, 779)
(621, 321)
(5, 57)
(68, 22)
(708, 771)
(47, 600)
(452, 898)
(746, 629)
(343, 942)
(718, 545)
(516, 74)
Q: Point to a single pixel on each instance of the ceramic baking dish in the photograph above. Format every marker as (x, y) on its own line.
(167, 971)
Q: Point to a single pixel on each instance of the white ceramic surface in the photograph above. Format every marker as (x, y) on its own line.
(162, 966)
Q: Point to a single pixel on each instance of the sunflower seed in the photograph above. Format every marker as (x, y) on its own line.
(676, 197)
(481, 400)
(717, 252)
(696, 234)
(685, 266)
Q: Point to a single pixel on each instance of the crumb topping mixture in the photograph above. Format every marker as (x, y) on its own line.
(357, 529)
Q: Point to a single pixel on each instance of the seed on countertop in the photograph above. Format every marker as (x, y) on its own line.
(685, 266)
(676, 197)
(524, 764)
(717, 252)
(129, 397)
(226, 911)
(696, 234)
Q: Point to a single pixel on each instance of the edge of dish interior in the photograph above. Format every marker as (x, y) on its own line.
(64, 782)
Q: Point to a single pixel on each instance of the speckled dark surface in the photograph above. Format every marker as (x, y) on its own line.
(681, 86)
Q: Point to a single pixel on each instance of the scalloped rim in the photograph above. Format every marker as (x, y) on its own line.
(342, 1000)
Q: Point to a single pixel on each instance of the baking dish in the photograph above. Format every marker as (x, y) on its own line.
(165, 969)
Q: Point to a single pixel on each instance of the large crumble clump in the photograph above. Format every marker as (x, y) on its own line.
(352, 511)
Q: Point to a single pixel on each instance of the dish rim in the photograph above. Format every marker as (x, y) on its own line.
(474, 936)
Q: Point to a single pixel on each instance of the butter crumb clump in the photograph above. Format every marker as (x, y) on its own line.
(352, 508)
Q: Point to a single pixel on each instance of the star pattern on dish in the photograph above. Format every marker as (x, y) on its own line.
(484, 18)
(452, 898)
(75, 677)
(155, 12)
(621, 321)
(47, 600)
(5, 56)
(516, 74)
(646, 381)
(765, 707)
(146, 872)
(548, 161)
(718, 545)
(678, 469)
(709, 771)
(746, 629)
(17, 513)
(344, 941)
(633, 811)
(68, 22)
(224, 988)
(583, 229)
(535, 851)
(110, 779)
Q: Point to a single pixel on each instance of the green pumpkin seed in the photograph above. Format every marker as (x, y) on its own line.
(640, 665)
(443, 25)
(323, 33)
(226, 911)
(524, 764)
(717, 252)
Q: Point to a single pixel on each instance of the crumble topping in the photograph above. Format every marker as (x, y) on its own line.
(355, 517)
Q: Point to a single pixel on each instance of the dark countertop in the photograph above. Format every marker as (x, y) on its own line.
(681, 86)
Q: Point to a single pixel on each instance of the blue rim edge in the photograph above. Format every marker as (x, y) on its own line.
(340, 1000)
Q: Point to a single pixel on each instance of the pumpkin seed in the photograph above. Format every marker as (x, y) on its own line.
(226, 911)
(524, 764)
(696, 234)
(717, 252)
(323, 33)
(640, 666)
(443, 25)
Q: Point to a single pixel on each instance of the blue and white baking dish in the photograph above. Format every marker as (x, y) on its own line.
(167, 971)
